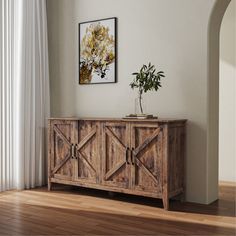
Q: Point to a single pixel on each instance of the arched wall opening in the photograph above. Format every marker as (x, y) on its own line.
(227, 99)
(213, 99)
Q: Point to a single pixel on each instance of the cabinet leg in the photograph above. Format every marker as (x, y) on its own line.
(165, 201)
(111, 194)
(182, 197)
(49, 185)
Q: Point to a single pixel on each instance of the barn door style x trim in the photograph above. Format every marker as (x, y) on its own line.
(136, 152)
(122, 147)
(139, 157)
(58, 132)
(80, 145)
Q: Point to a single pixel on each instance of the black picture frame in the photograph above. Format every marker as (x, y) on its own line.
(115, 50)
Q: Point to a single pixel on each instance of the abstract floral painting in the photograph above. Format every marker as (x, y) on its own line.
(97, 51)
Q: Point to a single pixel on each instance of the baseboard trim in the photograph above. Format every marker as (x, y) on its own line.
(227, 183)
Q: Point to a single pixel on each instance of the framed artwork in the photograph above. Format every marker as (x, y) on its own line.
(97, 51)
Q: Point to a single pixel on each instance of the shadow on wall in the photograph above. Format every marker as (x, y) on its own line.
(61, 66)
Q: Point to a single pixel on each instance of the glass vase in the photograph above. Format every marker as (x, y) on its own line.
(140, 105)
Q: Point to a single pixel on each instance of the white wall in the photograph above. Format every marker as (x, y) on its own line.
(227, 118)
(172, 34)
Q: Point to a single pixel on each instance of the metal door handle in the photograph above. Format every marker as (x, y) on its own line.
(127, 155)
(132, 156)
(75, 148)
(72, 151)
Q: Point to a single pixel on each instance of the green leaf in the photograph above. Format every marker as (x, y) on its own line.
(147, 79)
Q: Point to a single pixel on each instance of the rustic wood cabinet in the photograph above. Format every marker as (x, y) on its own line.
(141, 157)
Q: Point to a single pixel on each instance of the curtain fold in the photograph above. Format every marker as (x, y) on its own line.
(33, 93)
(6, 95)
(23, 155)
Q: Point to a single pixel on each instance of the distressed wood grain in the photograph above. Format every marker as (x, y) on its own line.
(140, 157)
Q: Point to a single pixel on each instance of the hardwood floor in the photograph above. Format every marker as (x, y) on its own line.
(81, 211)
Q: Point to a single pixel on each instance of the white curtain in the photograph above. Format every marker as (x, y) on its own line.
(6, 95)
(28, 95)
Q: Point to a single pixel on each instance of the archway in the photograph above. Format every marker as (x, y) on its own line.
(213, 99)
(227, 98)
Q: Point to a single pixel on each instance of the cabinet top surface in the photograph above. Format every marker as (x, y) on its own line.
(163, 120)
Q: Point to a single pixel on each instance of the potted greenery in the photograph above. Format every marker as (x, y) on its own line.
(147, 79)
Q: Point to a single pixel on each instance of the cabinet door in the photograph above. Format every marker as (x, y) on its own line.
(115, 167)
(146, 146)
(87, 164)
(62, 136)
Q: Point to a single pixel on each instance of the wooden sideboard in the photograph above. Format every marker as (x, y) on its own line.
(133, 156)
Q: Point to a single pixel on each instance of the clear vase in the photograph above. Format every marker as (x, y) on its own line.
(140, 105)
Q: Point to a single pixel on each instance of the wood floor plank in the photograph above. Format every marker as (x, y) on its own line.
(79, 211)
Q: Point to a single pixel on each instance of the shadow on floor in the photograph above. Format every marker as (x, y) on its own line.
(221, 207)
(44, 220)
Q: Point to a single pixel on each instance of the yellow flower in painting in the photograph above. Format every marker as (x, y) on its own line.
(97, 48)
